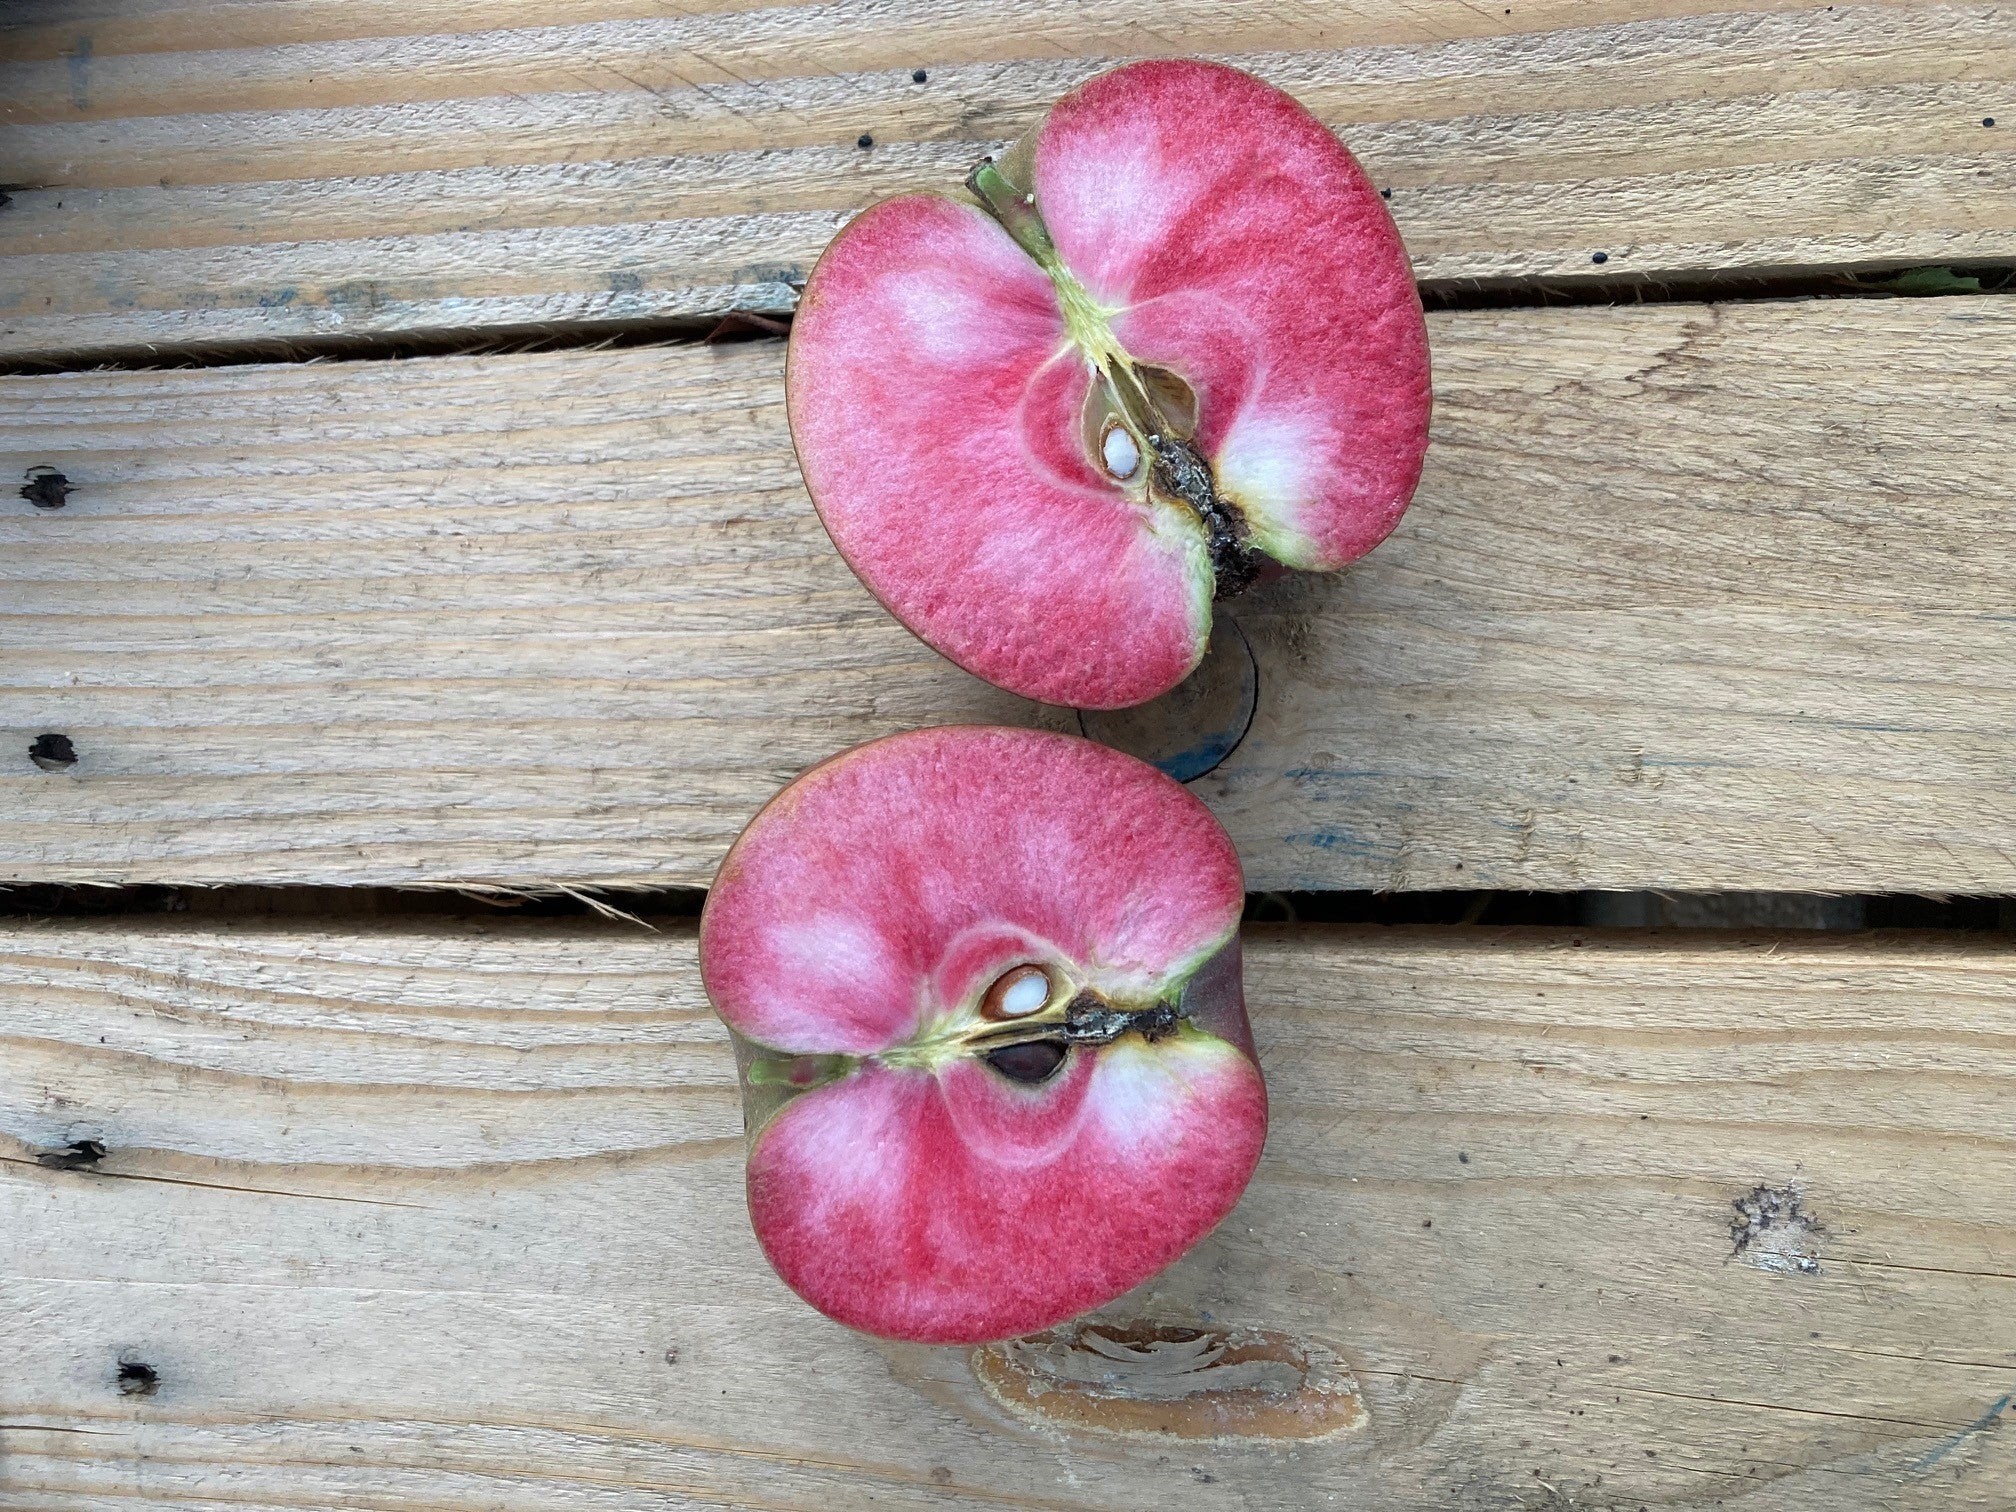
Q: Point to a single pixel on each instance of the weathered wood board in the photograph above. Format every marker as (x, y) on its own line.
(211, 174)
(1693, 597)
(451, 1216)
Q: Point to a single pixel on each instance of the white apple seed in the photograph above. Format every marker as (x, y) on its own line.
(1017, 994)
(1120, 452)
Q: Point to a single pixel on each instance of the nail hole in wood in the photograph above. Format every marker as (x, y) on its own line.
(136, 1379)
(52, 752)
(46, 488)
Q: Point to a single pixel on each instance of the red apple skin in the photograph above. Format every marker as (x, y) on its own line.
(865, 910)
(935, 396)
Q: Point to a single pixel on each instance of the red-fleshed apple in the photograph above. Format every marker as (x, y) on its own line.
(984, 986)
(1181, 340)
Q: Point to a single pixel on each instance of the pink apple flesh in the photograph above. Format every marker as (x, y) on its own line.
(1181, 341)
(985, 990)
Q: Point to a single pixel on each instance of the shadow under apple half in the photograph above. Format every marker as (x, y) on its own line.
(985, 991)
(1180, 342)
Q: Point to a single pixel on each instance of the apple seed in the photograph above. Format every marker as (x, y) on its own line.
(1120, 452)
(1017, 994)
(1030, 1062)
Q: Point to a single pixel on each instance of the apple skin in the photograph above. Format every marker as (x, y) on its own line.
(1192, 219)
(911, 1189)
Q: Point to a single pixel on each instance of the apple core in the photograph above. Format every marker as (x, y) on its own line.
(985, 995)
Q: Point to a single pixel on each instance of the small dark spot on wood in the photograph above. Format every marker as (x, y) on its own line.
(78, 1155)
(1427, 1223)
(1461, 1158)
(52, 752)
(1202, 1476)
(1385, 194)
(1987, 120)
(46, 488)
(672, 1355)
(942, 1474)
(1599, 257)
(136, 1379)
(1616, 1359)
(864, 140)
(918, 76)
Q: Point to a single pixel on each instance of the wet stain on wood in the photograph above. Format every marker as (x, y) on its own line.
(1191, 729)
(1153, 1381)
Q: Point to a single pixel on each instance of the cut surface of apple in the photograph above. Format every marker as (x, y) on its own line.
(985, 990)
(1174, 337)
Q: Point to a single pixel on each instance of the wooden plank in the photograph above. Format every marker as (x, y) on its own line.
(1687, 601)
(211, 174)
(452, 1216)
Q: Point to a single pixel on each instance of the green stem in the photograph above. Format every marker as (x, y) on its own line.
(1015, 208)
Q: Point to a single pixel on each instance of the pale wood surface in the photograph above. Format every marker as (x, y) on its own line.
(1708, 597)
(415, 1216)
(219, 173)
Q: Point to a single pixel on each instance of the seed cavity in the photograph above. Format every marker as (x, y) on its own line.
(1120, 452)
(1017, 994)
(1030, 1062)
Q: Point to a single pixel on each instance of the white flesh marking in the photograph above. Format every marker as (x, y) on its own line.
(1025, 995)
(1120, 452)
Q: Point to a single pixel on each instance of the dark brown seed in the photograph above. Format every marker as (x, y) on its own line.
(1028, 1063)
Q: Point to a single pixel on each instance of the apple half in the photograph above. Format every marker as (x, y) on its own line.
(1176, 340)
(985, 993)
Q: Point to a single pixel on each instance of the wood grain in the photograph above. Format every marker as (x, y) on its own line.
(452, 1216)
(1692, 597)
(209, 174)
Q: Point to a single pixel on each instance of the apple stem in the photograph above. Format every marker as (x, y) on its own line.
(1015, 208)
